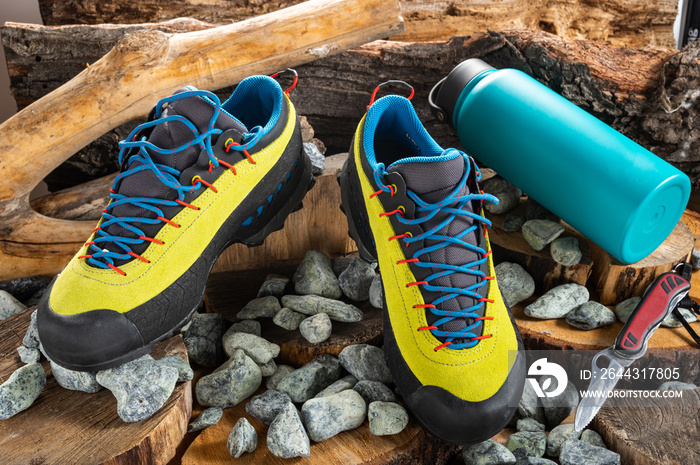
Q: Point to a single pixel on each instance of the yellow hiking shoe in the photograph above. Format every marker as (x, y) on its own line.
(449, 339)
(198, 176)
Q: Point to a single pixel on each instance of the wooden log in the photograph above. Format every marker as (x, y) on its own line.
(74, 427)
(126, 82)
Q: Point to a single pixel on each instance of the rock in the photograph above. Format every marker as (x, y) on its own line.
(488, 452)
(184, 370)
(242, 439)
(530, 405)
(565, 251)
(374, 391)
(676, 386)
(533, 443)
(624, 309)
(25, 288)
(75, 380)
(575, 452)
(141, 387)
(557, 436)
(280, 373)
(343, 384)
(513, 222)
(203, 339)
(315, 276)
(312, 305)
(558, 301)
(208, 417)
(286, 437)
(34, 300)
(590, 315)
(255, 347)
(324, 417)
(529, 424)
(386, 418)
(318, 161)
(339, 264)
(316, 328)
(525, 460)
(28, 355)
(231, 383)
(356, 280)
(539, 233)
(672, 321)
(364, 361)
(262, 307)
(21, 389)
(9, 305)
(245, 326)
(266, 406)
(695, 259)
(274, 285)
(507, 194)
(557, 409)
(535, 211)
(515, 283)
(31, 337)
(304, 383)
(268, 369)
(591, 437)
(288, 319)
(376, 292)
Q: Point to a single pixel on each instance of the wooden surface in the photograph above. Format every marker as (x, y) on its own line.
(124, 84)
(74, 427)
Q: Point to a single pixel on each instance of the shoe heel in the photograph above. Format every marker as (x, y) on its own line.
(351, 208)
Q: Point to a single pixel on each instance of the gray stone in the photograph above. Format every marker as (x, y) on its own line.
(318, 160)
(274, 285)
(374, 391)
(488, 452)
(695, 259)
(24, 289)
(558, 301)
(268, 369)
(515, 283)
(281, 372)
(535, 211)
(9, 305)
(591, 437)
(343, 384)
(184, 370)
(28, 355)
(507, 194)
(566, 251)
(676, 386)
(304, 383)
(376, 292)
(75, 380)
(246, 326)
(386, 418)
(259, 349)
(288, 319)
(624, 309)
(208, 417)
(672, 321)
(313, 304)
(315, 276)
(532, 442)
(242, 439)
(266, 406)
(529, 424)
(286, 437)
(231, 383)
(530, 405)
(141, 387)
(557, 409)
(539, 233)
(364, 361)
(31, 337)
(203, 339)
(339, 264)
(324, 417)
(590, 315)
(525, 460)
(557, 436)
(356, 280)
(575, 452)
(262, 307)
(316, 328)
(513, 222)
(21, 389)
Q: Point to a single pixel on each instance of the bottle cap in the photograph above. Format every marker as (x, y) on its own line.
(443, 96)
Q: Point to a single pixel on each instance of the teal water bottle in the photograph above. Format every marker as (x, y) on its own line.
(611, 189)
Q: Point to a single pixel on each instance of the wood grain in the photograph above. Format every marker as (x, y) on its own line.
(74, 427)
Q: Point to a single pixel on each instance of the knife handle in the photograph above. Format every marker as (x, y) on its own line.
(660, 298)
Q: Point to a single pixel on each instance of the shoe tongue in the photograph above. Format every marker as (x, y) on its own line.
(431, 180)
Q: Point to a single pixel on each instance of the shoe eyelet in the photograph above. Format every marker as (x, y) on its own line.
(403, 210)
(195, 179)
(394, 189)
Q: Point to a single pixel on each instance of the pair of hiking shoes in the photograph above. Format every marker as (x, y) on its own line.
(200, 175)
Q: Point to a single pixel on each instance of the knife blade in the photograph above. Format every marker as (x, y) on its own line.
(659, 300)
